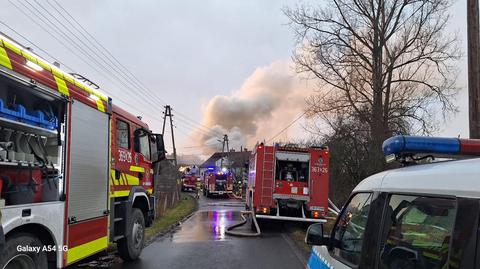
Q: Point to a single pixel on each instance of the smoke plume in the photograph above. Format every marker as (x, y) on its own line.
(269, 99)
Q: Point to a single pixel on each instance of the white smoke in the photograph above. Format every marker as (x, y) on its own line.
(269, 99)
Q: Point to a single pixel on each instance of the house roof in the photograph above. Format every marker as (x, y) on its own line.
(238, 158)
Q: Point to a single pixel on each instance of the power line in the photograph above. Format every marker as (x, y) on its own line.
(148, 92)
(44, 20)
(288, 126)
(118, 67)
(104, 48)
(107, 68)
(35, 45)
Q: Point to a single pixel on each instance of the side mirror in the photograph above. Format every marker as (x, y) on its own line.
(315, 235)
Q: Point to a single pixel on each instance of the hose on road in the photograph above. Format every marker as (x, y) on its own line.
(332, 208)
(230, 231)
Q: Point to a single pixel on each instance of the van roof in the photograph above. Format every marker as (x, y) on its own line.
(452, 178)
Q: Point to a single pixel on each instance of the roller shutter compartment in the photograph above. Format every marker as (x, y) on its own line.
(88, 184)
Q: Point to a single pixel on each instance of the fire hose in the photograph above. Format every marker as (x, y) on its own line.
(230, 231)
(332, 208)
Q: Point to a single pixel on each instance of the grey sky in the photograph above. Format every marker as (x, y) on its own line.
(189, 51)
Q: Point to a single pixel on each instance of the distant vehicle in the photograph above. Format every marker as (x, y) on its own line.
(76, 171)
(217, 182)
(189, 182)
(420, 216)
(288, 183)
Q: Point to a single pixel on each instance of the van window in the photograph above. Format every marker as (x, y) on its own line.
(348, 233)
(417, 232)
(123, 134)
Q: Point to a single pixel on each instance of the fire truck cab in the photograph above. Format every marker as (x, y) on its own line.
(288, 183)
(76, 172)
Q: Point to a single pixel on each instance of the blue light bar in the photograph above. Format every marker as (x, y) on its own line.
(420, 144)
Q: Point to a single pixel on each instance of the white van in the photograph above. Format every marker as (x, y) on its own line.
(420, 216)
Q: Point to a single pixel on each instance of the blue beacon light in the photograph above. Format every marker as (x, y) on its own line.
(419, 144)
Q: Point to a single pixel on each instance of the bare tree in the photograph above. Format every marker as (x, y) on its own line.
(388, 64)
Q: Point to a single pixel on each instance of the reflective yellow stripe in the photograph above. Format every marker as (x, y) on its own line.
(28, 56)
(121, 193)
(12, 47)
(44, 65)
(137, 169)
(132, 180)
(100, 105)
(62, 86)
(4, 60)
(76, 253)
(4, 42)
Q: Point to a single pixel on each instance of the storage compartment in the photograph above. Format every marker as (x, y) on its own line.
(31, 143)
(22, 185)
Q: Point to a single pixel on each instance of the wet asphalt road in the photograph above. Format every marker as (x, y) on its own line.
(201, 242)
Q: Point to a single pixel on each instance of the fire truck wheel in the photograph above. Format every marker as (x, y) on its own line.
(14, 257)
(130, 247)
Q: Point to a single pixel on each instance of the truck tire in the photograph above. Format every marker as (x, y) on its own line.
(131, 246)
(12, 258)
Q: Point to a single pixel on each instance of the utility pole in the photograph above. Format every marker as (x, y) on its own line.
(473, 68)
(224, 144)
(168, 113)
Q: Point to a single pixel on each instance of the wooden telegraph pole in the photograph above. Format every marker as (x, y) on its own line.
(473, 68)
(168, 113)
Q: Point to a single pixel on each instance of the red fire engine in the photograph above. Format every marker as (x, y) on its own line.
(288, 183)
(189, 182)
(217, 182)
(76, 171)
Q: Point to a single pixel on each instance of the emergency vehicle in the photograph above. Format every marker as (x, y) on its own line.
(418, 216)
(288, 183)
(76, 171)
(217, 182)
(189, 182)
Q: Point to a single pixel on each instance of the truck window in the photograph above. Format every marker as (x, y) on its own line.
(123, 134)
(417, 232)
(292, 171)
(143, 146)
(350, 228)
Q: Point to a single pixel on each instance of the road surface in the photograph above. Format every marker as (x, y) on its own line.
(201, 242)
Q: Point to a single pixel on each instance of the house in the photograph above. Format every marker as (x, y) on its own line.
(235, 161)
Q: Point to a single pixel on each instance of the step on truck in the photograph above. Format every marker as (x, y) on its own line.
(288, 183)
(76, 171)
